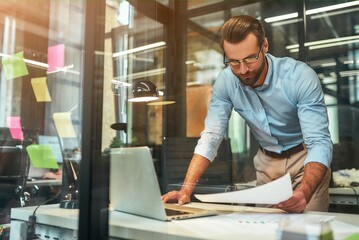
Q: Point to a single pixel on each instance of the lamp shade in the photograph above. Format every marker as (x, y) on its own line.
(144, 91)
(119, 127)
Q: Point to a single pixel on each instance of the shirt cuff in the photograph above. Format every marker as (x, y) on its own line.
(208, 145)
(321, 154)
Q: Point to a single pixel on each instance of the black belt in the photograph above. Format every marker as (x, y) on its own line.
(284, 154)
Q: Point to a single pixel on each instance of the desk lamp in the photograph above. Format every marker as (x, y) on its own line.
(144, 91)
(119, 127)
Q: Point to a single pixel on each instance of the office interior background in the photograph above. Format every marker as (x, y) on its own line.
(68, 69)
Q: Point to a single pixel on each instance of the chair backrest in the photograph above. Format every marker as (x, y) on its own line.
(177, 154)
(14, 168)
(14, 164)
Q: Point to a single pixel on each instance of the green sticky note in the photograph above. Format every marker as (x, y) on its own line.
(355, 236)
(15, 66)
(41, 156)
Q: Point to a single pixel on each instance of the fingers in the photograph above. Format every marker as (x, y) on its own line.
(167, 197)
(295, 204)
(175, 196)
(183, 199)
(172, 196)
(293, 207)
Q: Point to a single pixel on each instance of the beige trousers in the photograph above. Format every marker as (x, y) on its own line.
(269, 169)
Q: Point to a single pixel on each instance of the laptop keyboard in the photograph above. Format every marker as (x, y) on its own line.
(172, 212)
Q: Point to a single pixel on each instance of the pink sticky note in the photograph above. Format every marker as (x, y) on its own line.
(14, 125)
(56, 57)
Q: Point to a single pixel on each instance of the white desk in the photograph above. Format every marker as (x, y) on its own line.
(344, 195)
(44, 182)
(223, 226)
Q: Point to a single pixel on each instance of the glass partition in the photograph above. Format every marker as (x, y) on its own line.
(45, 74)
(41, 97)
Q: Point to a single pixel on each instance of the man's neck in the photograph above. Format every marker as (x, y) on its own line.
(263, 75)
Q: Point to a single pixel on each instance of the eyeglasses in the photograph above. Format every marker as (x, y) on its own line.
(246, 61)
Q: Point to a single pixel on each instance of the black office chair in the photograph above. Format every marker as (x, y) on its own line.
(14, 169)
(177, 154)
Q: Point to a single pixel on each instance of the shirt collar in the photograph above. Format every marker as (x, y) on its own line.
(268, 78)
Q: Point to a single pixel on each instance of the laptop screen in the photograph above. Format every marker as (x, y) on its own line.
(133, 183)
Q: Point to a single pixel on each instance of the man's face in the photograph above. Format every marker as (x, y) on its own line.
(250, 67)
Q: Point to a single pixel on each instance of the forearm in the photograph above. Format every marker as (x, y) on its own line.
(314, 173)
(195, 170)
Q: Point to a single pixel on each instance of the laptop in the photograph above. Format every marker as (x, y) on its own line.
(134, 187)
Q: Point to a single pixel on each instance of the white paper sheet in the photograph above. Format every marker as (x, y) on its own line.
(273, 192)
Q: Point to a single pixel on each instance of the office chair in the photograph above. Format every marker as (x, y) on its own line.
(177, 154)
(14, 169)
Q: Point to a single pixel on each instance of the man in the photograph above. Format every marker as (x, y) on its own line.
(282, 102)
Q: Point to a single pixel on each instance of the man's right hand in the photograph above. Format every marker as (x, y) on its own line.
(176, 196)
(195, 170)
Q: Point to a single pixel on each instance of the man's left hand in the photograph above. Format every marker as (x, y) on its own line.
(295, 204)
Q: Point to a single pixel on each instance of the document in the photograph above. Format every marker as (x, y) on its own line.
(273, 192)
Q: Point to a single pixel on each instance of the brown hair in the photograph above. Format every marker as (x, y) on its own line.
(236, 29)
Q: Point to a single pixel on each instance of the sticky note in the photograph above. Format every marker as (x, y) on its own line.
(41, 156)
(40, 89)
(56, 57)
(14, 124)
(355, 236)
(63, 124)
(15, 66)
(54, 143)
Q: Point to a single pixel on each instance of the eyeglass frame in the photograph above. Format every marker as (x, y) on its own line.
(228, 62)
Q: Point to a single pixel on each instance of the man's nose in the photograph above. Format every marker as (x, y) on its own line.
(243, 68)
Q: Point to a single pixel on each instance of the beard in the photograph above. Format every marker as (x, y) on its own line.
(251, 77)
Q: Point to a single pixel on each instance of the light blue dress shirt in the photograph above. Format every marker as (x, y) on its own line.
(288, 109)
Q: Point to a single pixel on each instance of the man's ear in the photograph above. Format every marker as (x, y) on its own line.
(265, 45)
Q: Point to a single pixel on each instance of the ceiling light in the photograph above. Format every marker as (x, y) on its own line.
(331, 7)
(125, 84)
(281, 17)
(324, 43)
(311, 11)
(148, 73)
(31, 62)
(139, 49)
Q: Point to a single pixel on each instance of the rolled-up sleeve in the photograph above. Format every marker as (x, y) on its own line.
(313, 117)
(208, 145)
(216, 122)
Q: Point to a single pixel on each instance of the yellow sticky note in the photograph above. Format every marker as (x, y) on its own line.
(63, 124)
(40, 89)
(15, 66)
